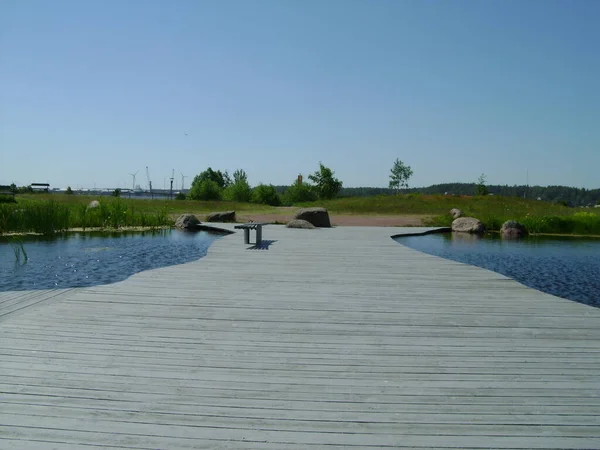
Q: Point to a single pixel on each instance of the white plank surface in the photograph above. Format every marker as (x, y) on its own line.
(337, 338)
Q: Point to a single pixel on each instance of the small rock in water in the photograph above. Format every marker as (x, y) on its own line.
(468, 225)
(187, 222)
(511, 229)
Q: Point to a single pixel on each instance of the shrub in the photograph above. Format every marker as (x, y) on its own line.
(266, 194)
(206, 190)
(299, 193)
(180, 196)
(239, 191)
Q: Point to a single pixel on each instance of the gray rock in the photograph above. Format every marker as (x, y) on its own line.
(223, 216)
(187, 222)
(467, 225)
(299, 223)
(317, 216)
(456, 213)
(94, 204)
(512, 229)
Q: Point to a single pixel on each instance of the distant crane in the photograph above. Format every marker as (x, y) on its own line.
(149, 182)
(133, 184)
(183, 177)
(172, 178)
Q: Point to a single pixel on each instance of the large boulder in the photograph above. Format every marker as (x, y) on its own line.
(456, 213)
(223, 216)
(467, 225)
(94, 204)
(512, 229)
(317, 216)
(299, 223)
(187, 222)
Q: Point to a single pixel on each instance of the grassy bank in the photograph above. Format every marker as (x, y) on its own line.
(493, 211)
(173, 208)
(50, 216)
(45, 213)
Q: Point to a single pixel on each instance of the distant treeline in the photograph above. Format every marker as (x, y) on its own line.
(563, 194)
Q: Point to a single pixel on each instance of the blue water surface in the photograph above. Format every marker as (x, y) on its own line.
(565, 267)
(87, 259)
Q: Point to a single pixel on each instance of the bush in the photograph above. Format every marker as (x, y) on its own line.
(180, 196)
(206, 190)
(266, 194)
(7, 199)
(299, 193)
(69, 191)
(239, 191)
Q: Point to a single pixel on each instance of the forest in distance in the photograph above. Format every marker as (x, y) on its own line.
(570, 196)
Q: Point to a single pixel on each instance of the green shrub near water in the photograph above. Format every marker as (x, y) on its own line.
(584, 223)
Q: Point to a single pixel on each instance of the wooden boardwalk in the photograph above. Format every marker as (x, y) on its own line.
(332, 338)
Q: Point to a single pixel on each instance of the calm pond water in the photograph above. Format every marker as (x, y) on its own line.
(565, 267)
(87, 259)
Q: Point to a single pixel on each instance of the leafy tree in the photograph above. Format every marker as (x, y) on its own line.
(222, 179)
(266, 194)
(206, 190)
(116, 192)
(400, 175)
(239, 190)
(13, 188)
(326, 185)
(239, 175)
(480, 187)
(69, 191)
(226, 179)
(299, 193)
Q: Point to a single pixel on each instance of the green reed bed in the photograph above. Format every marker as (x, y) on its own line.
(49, 216)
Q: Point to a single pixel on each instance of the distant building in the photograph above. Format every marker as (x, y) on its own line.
(40, 187)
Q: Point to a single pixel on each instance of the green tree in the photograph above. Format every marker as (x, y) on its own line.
(239, 190)
(69, 191)
(266, 194)
(226, 179)
(400, 175)
(217, 176)
(326, 185)
(116, 192)
(480, 187)
(13, 188)
(299, 192)
(239, 175)
(206, 190)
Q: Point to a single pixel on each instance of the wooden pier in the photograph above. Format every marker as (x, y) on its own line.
(330, 338)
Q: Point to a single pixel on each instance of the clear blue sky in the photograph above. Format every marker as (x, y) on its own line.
(93, 90)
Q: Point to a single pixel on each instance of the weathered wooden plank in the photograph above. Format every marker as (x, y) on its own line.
(339, 338)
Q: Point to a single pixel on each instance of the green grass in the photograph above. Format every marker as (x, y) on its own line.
(49, 216)
(440, 204)
(493, 211)
(171, 207)
(48, 213)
